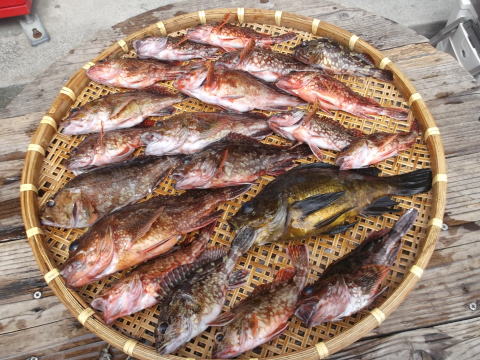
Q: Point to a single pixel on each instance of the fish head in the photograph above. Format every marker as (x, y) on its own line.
(68, 208)
(78, 121)
(81, 159)
(285, 123)
(176, 325)
(103, 71)
(228, 342)
(309, 52)
(200, 33)
(357, 155)
(292, 81)
(93, 254)
(192, 80)
(149, 47)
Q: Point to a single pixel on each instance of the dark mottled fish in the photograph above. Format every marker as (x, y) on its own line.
(319, 198)
(335, 58)
(352, 283)
(117, 111)
(331, 94)
(141, 231)
(232, 89)
(172, 49)
(195, 304)
(90, 195)
(265, 313)
(231, 37)
(236, 160)
(264, 64)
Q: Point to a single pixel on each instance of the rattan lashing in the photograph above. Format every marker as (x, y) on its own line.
(44, 173)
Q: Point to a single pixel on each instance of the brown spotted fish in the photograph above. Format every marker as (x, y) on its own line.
(117, 111)
(319, 132)
(90, 195)
(337, 59)
(237, 160)
(376, 147)
(139, 232)
(172, 49)
(231, 37)
(149, 283)
(352, 283)
(133, 73)
(232, 89)
(265, 313)
(195, 304)
(331, 94)
(262, 63)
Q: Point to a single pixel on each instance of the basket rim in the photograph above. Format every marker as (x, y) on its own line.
(48, 127)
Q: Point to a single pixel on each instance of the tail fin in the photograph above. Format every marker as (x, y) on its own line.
(395, 113)
(397, 232)
(242, 241)
(299, 256)
(235, 191)
(385, 75)
(411, 183)
(284, 37)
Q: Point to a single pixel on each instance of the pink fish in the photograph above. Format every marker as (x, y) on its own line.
(331, 94)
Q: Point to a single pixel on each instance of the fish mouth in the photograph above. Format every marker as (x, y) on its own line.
(224, 353)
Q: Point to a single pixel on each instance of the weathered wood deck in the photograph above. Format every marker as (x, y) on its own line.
(441, 317)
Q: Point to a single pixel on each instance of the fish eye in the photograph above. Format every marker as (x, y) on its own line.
(219, 337)
(50, 203)
(248, 208)
(74, 110)
(163, 327)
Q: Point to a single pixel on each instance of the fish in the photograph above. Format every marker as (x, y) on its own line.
(196, 303)
(117, 111)
(103, 149)
(376, 147)
(90, 195)
(133, 73)
(319, 132)
(354, 281)
(265, 313)
(139, 232)
(190, 132)
(335, 58)
(232, 90)
(331, 94)
(149, 283)
(262, 63)
(230, 37)
(235, 160)
(170, 49)
(319, 198)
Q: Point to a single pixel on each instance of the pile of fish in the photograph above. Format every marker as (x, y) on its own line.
(215, 156)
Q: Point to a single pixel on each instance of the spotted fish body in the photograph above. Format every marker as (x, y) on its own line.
(149, 283)
(195, 304)
(141, 231)
(133, 73)
(375, 147)
(331, 94)
(232, 90)
(262, 63)
(91, 195)
(318, 132)
(116, 111)
(335, 58)
(352, 283)
(170, 49)
(235, 160)
(188, 133)
(231, 37)
(265, 313)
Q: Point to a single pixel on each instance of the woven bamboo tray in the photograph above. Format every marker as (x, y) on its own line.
(44, 174)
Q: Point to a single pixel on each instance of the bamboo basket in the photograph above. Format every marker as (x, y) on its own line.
(44, 174)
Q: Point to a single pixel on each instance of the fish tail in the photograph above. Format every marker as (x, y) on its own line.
(235, 191)
(399, 230)
(385, 75)
(411, 183)
(284, 37)
(242, 242)
(393, 112)
(299, 256)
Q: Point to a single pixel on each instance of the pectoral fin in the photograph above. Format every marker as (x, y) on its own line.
(237, 278)
(380, 206)
(317, 202)
(223, 319)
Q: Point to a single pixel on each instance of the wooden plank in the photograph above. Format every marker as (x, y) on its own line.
(459, 340)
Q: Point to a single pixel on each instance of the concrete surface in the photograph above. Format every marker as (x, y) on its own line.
(71, 22)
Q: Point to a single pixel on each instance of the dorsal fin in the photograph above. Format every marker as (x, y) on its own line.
(247, 50)
(224, 21)
(370, 171)
(316, 165)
